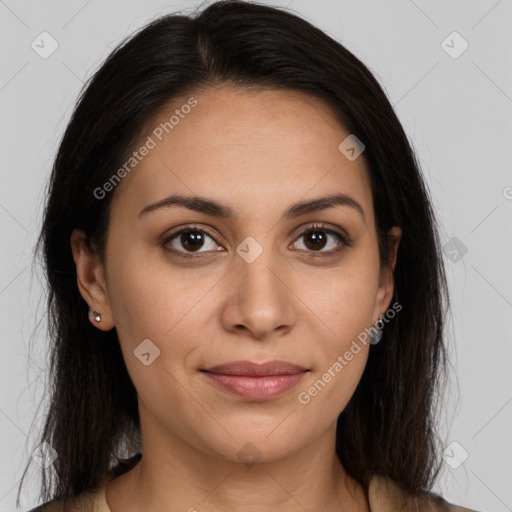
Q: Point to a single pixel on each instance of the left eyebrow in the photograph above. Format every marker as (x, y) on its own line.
(213, 207)
(323, 203)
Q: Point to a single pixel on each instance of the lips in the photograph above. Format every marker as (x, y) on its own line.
(249, 368)
(256, 381)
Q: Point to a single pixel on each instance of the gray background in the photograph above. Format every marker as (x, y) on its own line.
(456, 111)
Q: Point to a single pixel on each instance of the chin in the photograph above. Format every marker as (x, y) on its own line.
(250, 445)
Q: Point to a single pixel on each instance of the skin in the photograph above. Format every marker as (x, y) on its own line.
(258, 153)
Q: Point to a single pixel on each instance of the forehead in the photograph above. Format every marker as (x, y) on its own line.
(253, 147)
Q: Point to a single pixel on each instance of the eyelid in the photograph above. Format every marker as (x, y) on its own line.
(322, 226)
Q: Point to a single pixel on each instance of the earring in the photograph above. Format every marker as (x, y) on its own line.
(375, 337)
(95, 315)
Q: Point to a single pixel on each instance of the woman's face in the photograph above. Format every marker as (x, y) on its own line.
(247, 286)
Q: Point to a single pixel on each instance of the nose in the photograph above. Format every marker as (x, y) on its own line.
(259, 299)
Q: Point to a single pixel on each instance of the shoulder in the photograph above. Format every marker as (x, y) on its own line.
(85, 502)
(93, 500)
(385, 495)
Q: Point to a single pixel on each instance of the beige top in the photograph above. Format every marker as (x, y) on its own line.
(383, 494)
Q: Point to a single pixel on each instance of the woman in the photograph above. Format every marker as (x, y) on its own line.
(246, 290)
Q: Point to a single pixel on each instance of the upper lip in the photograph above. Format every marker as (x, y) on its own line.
(254, 369)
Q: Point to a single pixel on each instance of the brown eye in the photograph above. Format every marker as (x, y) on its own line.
(316, 238)
(190, 240)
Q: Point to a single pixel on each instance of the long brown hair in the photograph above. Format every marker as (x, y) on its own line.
(388, 427)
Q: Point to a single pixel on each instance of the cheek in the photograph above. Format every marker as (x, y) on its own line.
(153, 301)
(150, 296)
(347, 307)
(344, 301)
(342, 298)
(152, 315)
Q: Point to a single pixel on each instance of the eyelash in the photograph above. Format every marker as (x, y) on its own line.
(311, 229)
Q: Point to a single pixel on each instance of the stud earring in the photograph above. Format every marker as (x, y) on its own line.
(375, 337)
(95, 315)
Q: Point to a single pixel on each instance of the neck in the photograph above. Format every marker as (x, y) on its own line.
(177, 476)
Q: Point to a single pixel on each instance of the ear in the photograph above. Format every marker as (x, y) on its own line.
(91, 280)
(386, 286)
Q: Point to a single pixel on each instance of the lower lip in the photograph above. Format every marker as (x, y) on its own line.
(256, 388)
